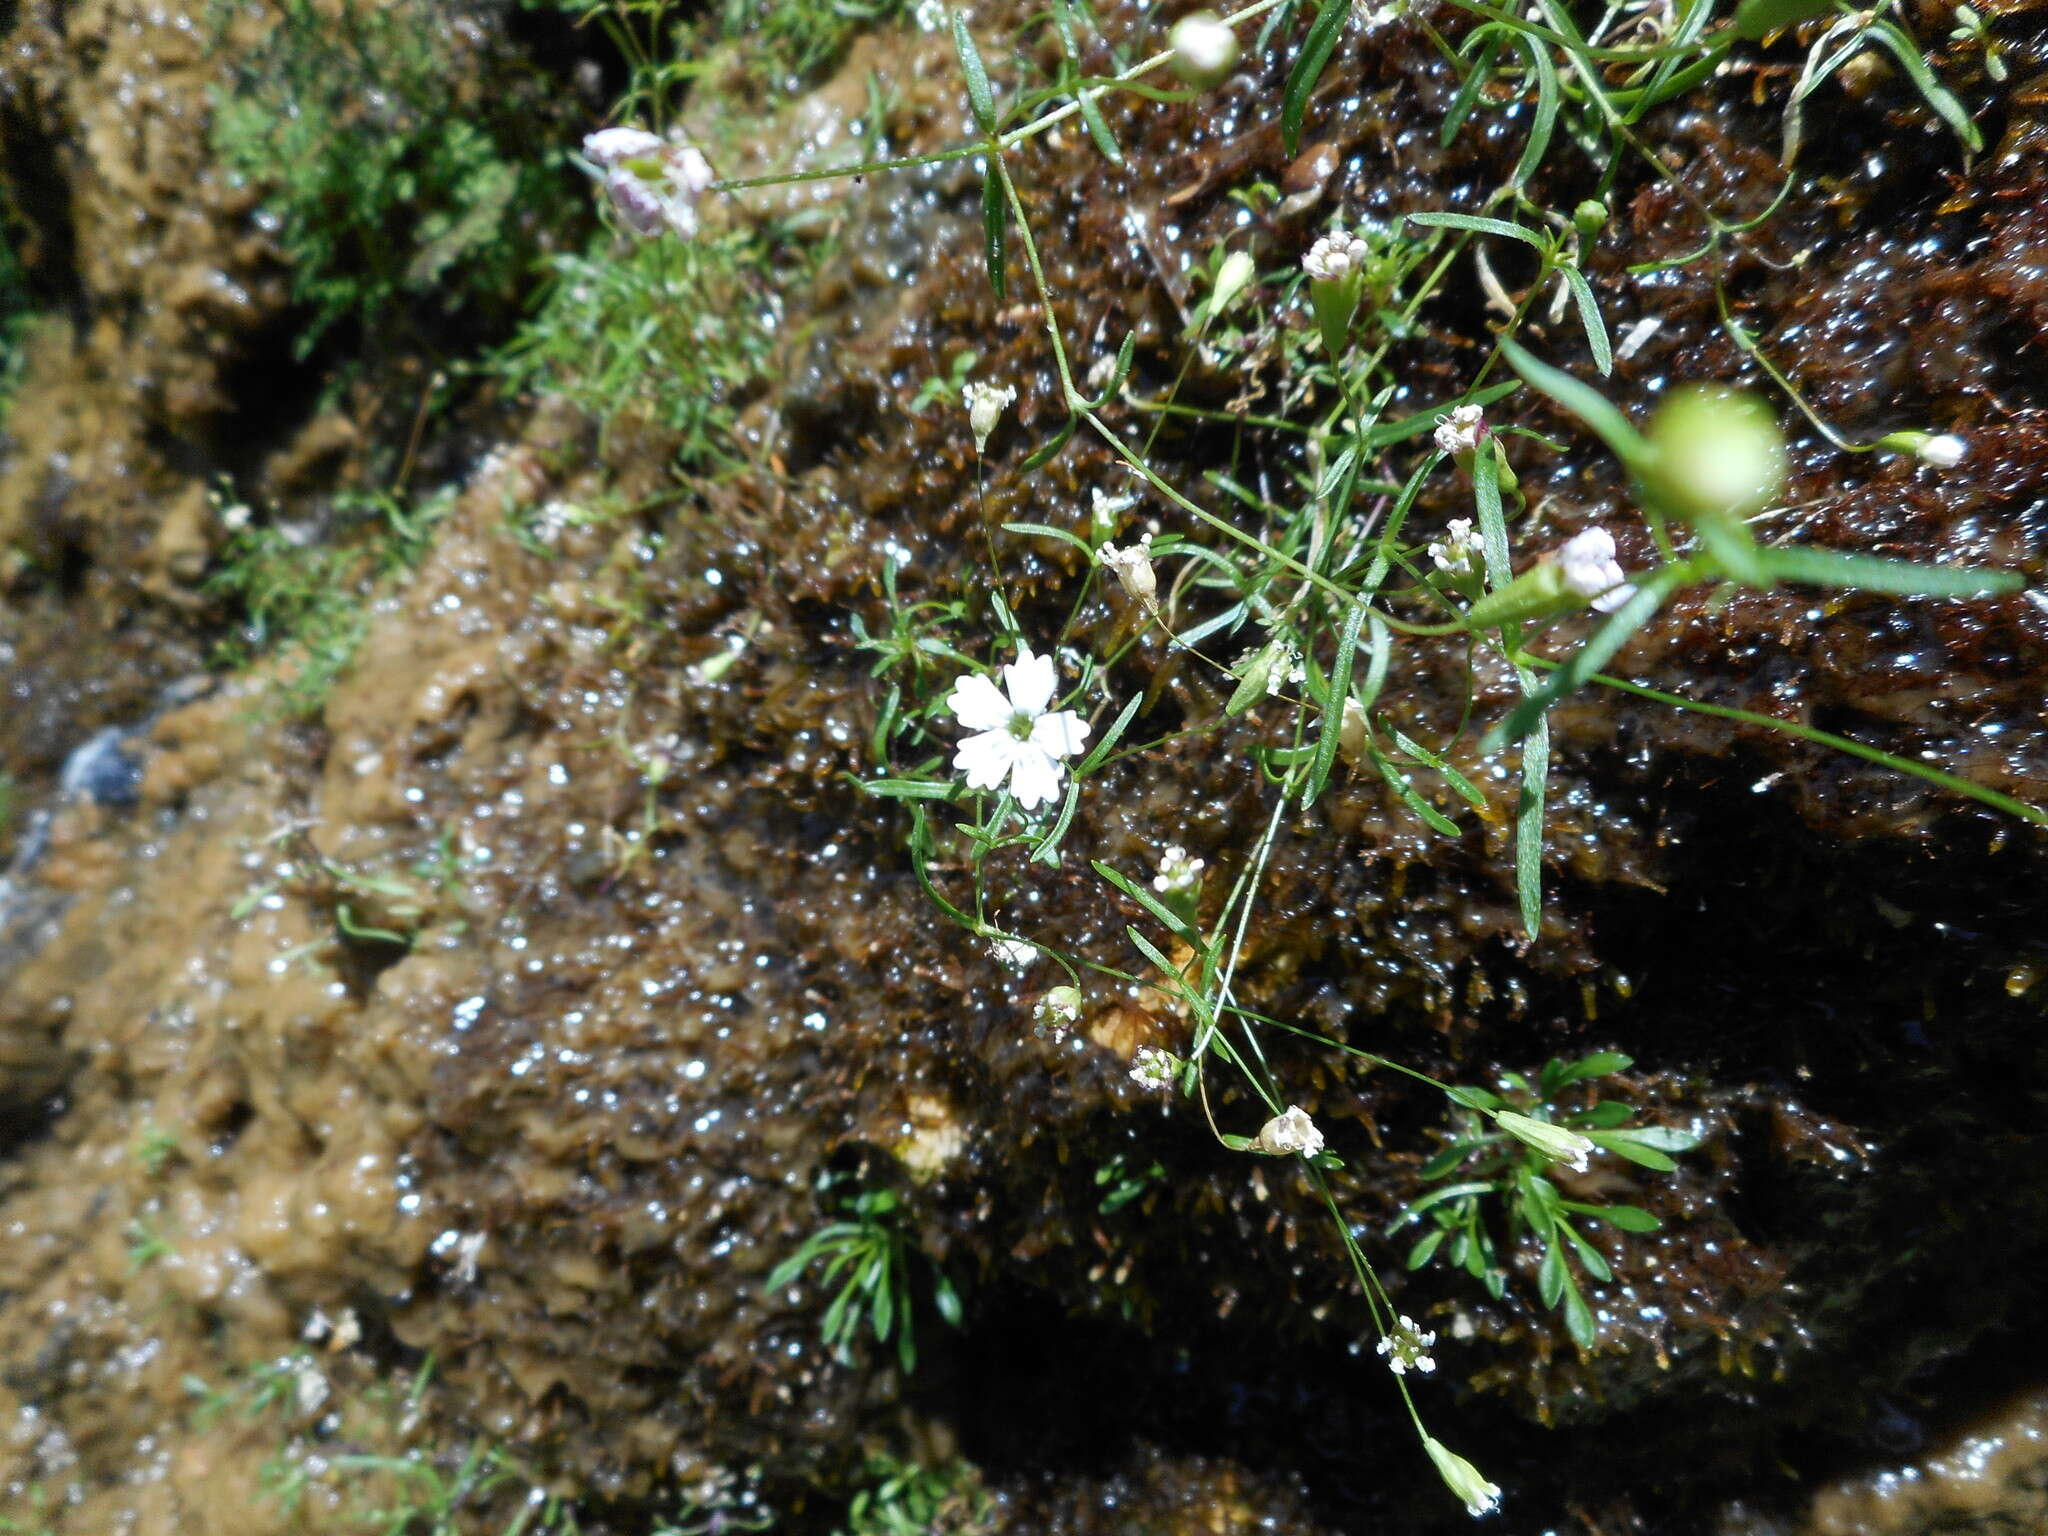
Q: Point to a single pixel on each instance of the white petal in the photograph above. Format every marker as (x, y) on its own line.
(1031, 680)
(608, 146)
(1035, 780)
(1608, 601)
(978, 704)
(987, 758)
(1061, 734)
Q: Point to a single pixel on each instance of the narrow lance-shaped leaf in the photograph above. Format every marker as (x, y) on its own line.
(1316, 48)
(995, 226)
(981, 99)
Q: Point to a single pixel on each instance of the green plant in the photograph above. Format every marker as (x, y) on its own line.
(392, 176)
(300, 592)
(905, 1499)
(1493, 1166)
(868, 1254)
(155, 1148)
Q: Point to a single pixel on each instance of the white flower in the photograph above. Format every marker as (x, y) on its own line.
(1335, 257)
(1155, 1069)
(1458, 433)
(1407, 1348)
(1132, 567)
(1288, 1133)
(1458, 554)
(1553, 1141)
(1591, 570)
(1204, 48)
(1105, 513)
(930, 15)
(1015, 737)
(1058, 1009)
(1178, 873)
(985, 403)
(1943, 452)
(610, 146)
(1463, 1479)
(1016, 954)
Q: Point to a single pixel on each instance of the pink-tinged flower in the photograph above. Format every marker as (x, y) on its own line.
(1017, 735)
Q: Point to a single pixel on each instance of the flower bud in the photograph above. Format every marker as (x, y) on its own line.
(1945, 451)
(1289, 1133)
(1204, 48)
(1553, 1141)
(1717, 454)
(1462, 1478)
(1589, 218)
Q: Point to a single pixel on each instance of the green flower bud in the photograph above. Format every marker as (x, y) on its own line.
(1553, 1141)
(1538, 593)
(1462, 1478)
(1204, 48)
(1716, 453)
(1589, 218)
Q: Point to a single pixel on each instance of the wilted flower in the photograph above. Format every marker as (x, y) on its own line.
(1590, 569)
(1288, 1133)
(1014, 954)
(1336, 256)
(1154, 1069)
(985, 405)
(1553, 1141)
(1459, 552)
(1204, 48)
(1132, 567)
(1458, 433)
(1105, 513)
(1463, 1479)
(1016, 737)
(1407, 1348)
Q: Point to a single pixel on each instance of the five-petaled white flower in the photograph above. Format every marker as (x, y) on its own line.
(1591, 570)
(1407, 1348)
(1016, 738)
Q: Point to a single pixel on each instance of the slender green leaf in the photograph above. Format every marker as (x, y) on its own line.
(1333, 710)
(1551, 1278)
(1630, 1218)
(980, 99)
(1578, 1318)
(1589, 316)
(1397, 781)
(1117, 727)
(1584, 402)
(1493, 527)
(1869, 573)
(1425, 1247)
(995, 228)
(1323, 35)
(1549, 97)
(1172, 920)
(1049, 450)
(1464, 787)
(1479, 224)
(1932, 91)
(1598, 649)
(1648, 1157)
(1529, 826)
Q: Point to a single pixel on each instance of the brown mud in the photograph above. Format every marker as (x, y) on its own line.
(514, 1005)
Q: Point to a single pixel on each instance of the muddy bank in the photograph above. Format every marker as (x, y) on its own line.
(514, 1002)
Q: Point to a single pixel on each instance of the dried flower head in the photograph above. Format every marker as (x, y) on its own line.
(1132, 567)
(1406, 1348)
